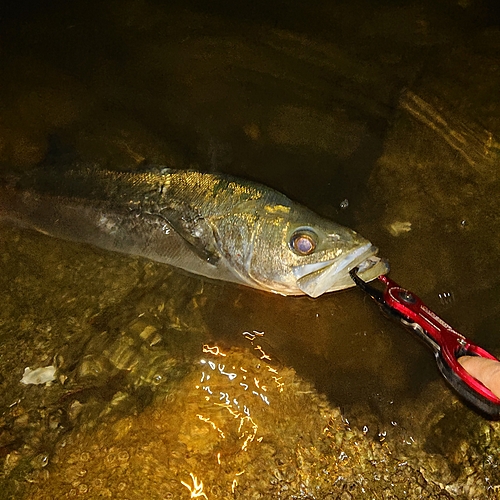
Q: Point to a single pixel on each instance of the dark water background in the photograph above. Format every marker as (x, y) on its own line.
(308, 98)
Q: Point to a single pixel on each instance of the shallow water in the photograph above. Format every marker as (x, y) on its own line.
(391, 107)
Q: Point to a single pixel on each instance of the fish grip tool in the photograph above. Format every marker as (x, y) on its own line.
(447, 344)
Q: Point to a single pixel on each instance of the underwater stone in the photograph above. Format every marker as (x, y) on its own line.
(39, 375)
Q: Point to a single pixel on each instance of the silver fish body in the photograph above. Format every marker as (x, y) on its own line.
(208, 224)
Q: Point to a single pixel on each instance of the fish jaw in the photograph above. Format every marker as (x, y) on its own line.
(332, 275)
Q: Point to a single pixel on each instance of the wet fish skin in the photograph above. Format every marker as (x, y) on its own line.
(212, 225)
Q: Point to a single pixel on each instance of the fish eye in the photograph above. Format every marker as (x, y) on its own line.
(303, 242)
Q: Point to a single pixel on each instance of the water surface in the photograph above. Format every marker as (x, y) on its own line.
(389, 106)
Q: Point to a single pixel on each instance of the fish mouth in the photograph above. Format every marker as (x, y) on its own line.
(330, 275)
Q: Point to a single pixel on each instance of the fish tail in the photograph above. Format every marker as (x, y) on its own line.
(8, 197)
(13, 203)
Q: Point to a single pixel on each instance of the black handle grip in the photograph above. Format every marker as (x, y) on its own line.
(490, 409)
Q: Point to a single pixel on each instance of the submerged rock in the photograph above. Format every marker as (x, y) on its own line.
(38, 376)
(238, 427)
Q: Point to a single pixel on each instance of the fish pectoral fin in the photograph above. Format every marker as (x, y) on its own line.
(195, 230)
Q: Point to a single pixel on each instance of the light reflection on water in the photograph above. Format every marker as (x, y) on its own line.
(234, 425)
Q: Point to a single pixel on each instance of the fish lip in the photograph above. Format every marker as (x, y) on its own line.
(344, 260)
(326, 276)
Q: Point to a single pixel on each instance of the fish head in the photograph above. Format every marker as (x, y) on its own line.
(297, 252)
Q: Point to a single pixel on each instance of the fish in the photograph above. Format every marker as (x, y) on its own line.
(208, 224)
